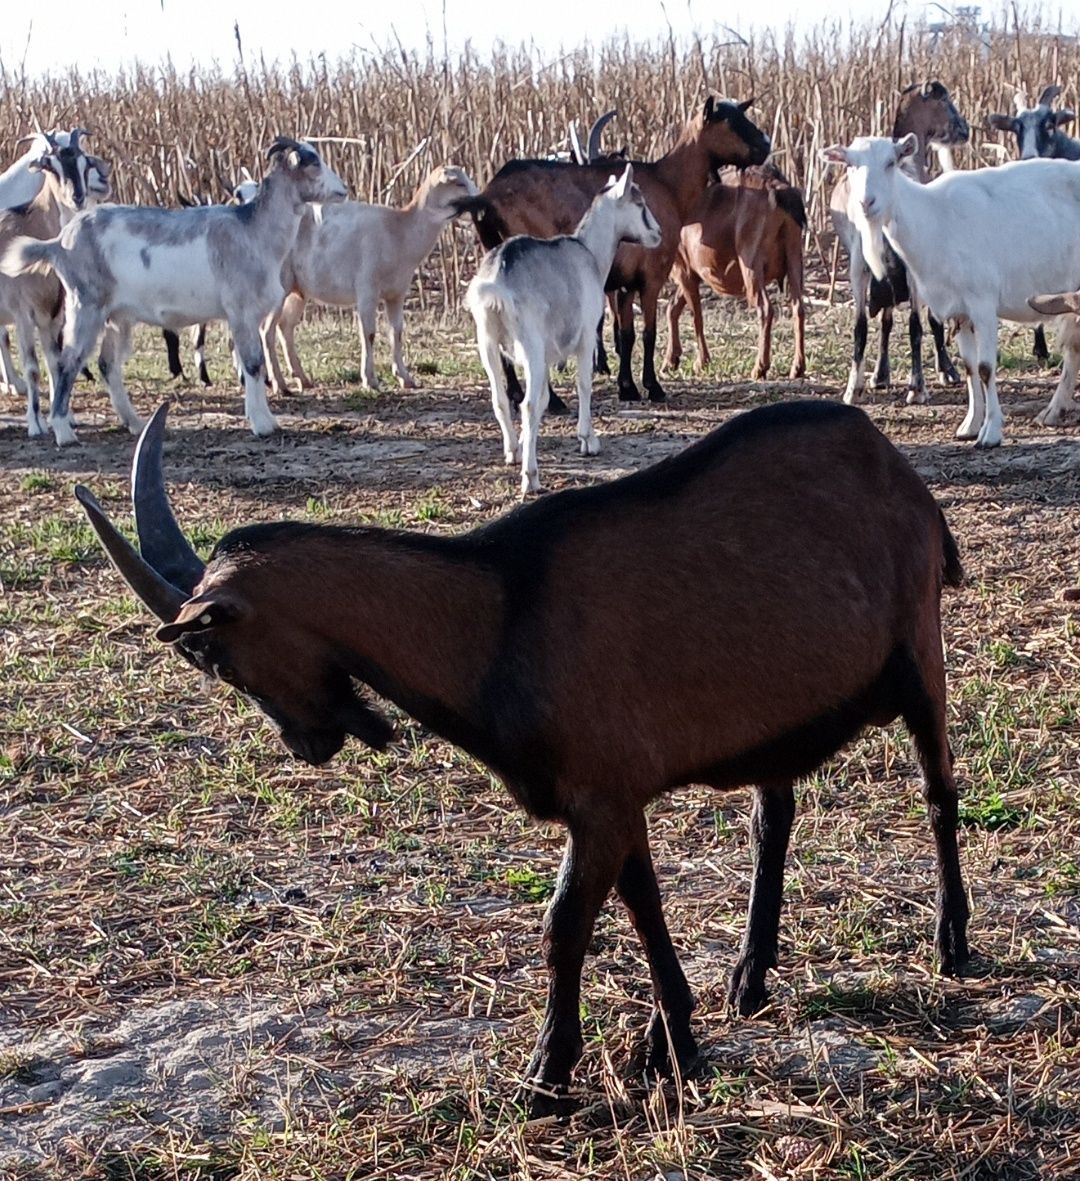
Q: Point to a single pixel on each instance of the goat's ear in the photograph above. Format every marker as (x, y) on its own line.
(622, 186)
(1048, 95)
(1056, 305)
(709, 111)
(906, 147)
(934, 90)
(836, 154)
(1000, 122)
(746, 105)
(200, 614)
(1064, 118)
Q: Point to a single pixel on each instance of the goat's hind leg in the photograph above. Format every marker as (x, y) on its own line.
(1070, 363)
(924, 715)
(770, 830)
(947, 374)
(395, 315)
(24, 338)
(588, 442)
(492, 359)
(532, 413)
(669, 1035)
(10, 381)
(115, 350)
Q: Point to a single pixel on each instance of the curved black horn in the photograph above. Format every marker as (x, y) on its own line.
(164, 599)
(73, 137)
(161, 540)
(283, 143)
(1048, 95)
(595, 132)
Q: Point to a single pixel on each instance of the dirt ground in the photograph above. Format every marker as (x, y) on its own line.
(217, 962)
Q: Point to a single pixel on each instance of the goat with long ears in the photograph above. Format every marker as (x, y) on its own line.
(781, 583)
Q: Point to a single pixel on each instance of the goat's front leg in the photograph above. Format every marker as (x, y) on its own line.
(757, 296)
(947, 374)
(395, 314)
(115, 350)
(628, 391)
(198, 344)
(770, 829)
(882, 375)
(600, 361)
(172, 352)
(289, 316)
(247, 341)
(917, 383)
(650, 299)
(669, 1029)
(82, 327)
(366, 309)
(858, 278)
(588, 442)
(24, 339)
(594, 855)
(10, 382)
(270, 328)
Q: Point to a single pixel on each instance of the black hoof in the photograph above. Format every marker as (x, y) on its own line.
(657, 394)
(541, 1101)
(747, 994)
(629, 393)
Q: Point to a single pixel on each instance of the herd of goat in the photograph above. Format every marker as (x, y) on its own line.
(77, 271)
(783, 574)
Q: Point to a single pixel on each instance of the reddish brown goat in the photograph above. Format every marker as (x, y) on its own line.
(745, 234)
(544, 198)
(780, 583)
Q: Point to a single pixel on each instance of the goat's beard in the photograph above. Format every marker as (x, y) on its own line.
(875, 248)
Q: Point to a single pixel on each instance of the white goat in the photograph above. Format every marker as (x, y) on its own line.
(953, 235)
(357, 255)
(122, 265)
(539, 300)
(35, 301)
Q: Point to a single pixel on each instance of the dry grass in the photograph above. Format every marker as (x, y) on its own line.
(334, 973)
(401, 113)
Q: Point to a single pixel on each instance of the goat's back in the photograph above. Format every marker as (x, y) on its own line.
(743, 588)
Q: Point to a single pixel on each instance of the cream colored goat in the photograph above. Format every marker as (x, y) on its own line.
(360, 255)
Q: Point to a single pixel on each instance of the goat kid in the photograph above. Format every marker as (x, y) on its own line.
(803, 561)
(359, 255)
(948, 233)
(745, 234)
(929, 114)
(544, 198)
(539, 300)
(123, 265)
(69, 181)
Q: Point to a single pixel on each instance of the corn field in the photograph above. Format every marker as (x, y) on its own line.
(389, 117)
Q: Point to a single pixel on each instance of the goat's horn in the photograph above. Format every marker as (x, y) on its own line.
(283, 143)
(575, 145)
(1048, 95)
(161, 539)
(164, 599)
(596, 131)
(73, 137)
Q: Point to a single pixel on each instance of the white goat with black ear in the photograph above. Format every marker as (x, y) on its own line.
(538, 300)
(122, 265)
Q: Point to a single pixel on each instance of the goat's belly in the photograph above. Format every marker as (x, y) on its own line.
(173, 310)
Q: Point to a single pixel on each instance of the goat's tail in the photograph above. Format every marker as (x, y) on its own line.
(952, 570)
(490, 224)
(29, 256)
(488, 299)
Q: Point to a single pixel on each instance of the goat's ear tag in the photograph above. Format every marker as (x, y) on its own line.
(198, 615)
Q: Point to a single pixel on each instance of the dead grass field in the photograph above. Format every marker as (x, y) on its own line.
(216, 962)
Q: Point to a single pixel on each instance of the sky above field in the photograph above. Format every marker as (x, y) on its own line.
(109, 34)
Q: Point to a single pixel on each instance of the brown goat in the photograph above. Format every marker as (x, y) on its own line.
(782, 581)
(543, 198)
(745, 234)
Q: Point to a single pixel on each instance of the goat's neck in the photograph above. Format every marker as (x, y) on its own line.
(418, 621)
(914, 207)
(685, 171)
(421, 228)
(596, 233)
(277, 213)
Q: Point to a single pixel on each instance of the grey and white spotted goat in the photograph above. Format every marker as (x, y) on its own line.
(538, 301)
(121, 265)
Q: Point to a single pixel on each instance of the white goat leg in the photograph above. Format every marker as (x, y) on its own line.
(1070, 365)
(588, 442)
(395, 315)
(115, 350)
(531, 356)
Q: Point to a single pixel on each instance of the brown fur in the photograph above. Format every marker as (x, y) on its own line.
(543, 199)
(744, 234)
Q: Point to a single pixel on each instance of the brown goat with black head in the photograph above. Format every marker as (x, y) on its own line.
(782, 579)
(544, 198)
(745, 234)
